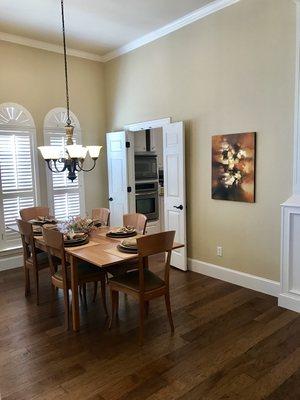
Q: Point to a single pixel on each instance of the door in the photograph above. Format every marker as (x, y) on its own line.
(174, 189)
(117, 176)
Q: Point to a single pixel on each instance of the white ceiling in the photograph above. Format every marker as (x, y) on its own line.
(95, 26)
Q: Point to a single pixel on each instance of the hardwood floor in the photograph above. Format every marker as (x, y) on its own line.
(229, 343)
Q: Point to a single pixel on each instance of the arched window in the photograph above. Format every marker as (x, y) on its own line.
(65, 198)
(18, 171)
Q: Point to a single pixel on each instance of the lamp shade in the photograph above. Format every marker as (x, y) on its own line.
(94, 151)
(76, 151)
(50, 152)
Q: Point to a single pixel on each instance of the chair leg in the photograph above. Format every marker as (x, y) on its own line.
(27, 282)
(147, 305)
(84, 295)
(53, 295)
(37, 289)
(168, 306)
(95, 291)
(67, 308)
(142, 316)
(113, 307)
(103, 294)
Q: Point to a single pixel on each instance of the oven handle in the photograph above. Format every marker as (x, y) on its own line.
(146, 193)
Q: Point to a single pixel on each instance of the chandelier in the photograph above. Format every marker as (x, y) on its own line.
(71, 157)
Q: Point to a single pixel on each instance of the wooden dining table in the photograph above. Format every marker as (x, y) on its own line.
(101, 251)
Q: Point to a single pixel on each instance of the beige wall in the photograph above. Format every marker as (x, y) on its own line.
(230, 72)
(35, 79)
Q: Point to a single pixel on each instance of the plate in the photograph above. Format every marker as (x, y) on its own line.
(123, 249)
(121, 234)
(42, 222)
(76, 242)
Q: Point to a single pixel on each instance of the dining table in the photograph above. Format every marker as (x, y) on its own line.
(101, 251)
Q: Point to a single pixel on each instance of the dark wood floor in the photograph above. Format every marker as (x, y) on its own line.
(229, 343)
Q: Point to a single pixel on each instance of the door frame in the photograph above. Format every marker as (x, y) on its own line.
(141, 126)
(157, 123)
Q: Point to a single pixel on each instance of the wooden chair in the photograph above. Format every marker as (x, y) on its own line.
(27, 214)
(102, 215)
(143, 284)
(33, 260)
(61, 276)
(138, 221)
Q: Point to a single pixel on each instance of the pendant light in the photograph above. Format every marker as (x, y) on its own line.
(74, 154)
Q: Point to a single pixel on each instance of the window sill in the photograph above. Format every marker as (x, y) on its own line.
(14, 251)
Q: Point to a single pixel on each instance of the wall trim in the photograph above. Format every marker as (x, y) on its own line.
(173, 26)
(54, 48)
(11, 262)
(243, 279)
(179, 23)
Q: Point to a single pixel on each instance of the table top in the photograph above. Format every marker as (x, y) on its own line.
(100, 251)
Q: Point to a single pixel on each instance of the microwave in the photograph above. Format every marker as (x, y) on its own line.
(145, 167)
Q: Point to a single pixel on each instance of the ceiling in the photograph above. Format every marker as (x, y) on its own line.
(94, 26)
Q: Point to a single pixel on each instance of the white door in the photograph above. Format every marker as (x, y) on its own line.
(117, 176)
(174, 189)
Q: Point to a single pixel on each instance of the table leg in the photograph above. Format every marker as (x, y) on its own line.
(75, 302)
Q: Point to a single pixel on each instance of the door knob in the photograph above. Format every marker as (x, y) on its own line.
(179, 207)
(110, 199)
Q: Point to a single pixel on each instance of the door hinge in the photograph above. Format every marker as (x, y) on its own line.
(129, 190)
(127, 145)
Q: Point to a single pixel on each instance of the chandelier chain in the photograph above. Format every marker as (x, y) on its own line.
(66, 62)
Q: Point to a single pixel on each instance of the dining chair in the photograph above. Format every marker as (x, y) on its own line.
(27, 214)
(33, 259)
(61, 271)
(102, 215)
(137, 220)
(143, 284)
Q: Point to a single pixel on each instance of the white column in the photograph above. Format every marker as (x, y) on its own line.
(290, 210)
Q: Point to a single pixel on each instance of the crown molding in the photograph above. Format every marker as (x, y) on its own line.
(179, 23)
(37, 44)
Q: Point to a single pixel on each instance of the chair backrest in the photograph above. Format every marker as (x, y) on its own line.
(138, 221)
(155, 244)
(102, 215)
(54, 241)
(27, 214)
(26, 232)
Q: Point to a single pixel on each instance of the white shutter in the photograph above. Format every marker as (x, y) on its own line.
(17, 169)
(65, 197)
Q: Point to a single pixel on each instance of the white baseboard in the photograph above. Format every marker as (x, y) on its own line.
(11, 262)
(248, 281)
(289, 301)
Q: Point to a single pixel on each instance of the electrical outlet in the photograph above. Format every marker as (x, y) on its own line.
(220, 251)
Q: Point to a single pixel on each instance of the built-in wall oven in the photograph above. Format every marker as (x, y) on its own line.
(145, 166)
(146, 199)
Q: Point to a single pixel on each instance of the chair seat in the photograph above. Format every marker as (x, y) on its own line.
(42, 260)
(122, 268)
(131, 280)
(85, 271)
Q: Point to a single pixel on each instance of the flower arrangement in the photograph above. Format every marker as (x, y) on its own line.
(75, 225)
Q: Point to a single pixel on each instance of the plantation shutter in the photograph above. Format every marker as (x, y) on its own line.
(65, 197)
(17, 175)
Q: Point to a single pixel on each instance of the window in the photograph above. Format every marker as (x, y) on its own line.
(18, 180)
(65, 198)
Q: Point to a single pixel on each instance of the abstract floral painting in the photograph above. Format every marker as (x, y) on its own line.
(233, 167)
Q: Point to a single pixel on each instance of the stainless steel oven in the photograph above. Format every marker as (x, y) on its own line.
(146, 199)
(145, 166)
